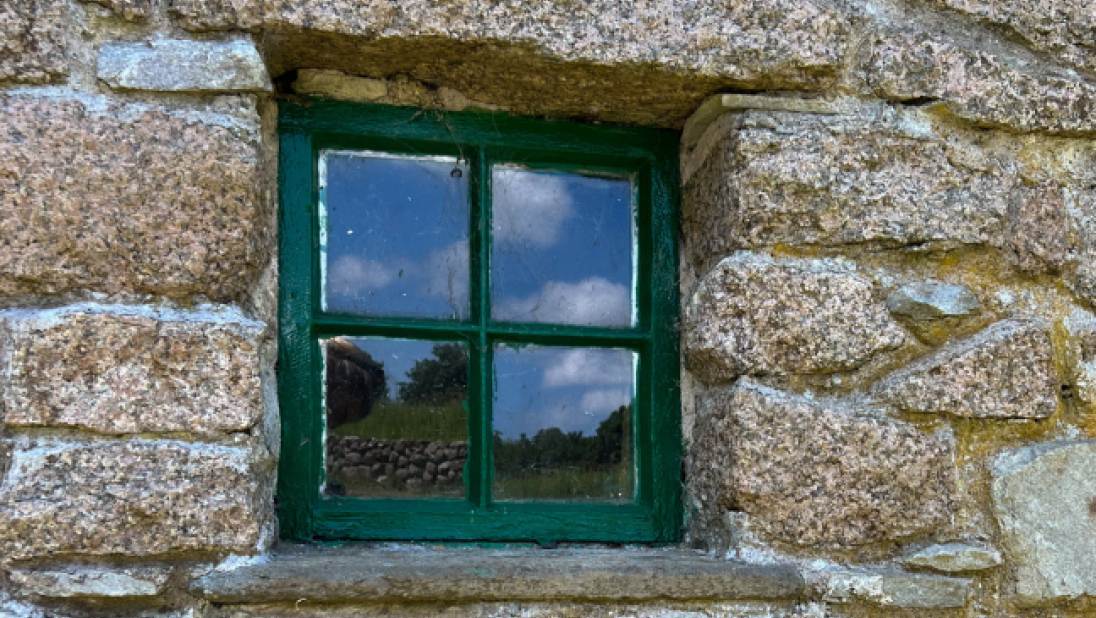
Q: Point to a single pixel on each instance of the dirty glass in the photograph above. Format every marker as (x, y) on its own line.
(563, 424)
(394, 234)
(396, 417)
(562, 248)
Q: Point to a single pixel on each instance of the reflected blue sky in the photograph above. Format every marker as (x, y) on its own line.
(562, 250)
(397, 241)
(397, 236)
(574, 389)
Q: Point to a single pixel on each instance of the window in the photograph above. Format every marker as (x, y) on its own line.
(477, 328)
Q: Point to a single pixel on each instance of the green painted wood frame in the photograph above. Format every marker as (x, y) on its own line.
(308, 127)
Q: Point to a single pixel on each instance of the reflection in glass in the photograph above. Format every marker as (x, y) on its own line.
(396, 417)
(563, 424)
(394, 234)
(562, 248)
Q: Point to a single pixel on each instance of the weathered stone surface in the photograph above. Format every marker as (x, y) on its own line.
(1082, 278)
(184, 66)
(1005, 371)
(1062, 27)
(955, 558)
(218, 14)
(979, 86)
(92, 582)
(131, 498)
(126, 198)
(34, 40)
(528, 609)
(1044, 497)
(1038, 234)
(131, 10)
(753, 314)
(330, 575)
(1079, 354)
(892, 589)
(874, 177)
(130, 370)
(817, 473)
(928, 300)
(339, 85)
(720, 104)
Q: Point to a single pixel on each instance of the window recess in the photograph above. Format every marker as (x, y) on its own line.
(477, 328)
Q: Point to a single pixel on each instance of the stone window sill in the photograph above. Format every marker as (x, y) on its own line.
(408, 573)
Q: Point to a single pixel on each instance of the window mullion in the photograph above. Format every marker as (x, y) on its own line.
(478, 473)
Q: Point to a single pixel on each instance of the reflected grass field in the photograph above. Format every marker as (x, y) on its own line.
(612, 485)
(393, 420)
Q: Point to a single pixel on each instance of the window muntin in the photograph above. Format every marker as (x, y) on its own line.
(635, 498)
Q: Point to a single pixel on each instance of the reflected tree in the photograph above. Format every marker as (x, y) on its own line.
(438, 380)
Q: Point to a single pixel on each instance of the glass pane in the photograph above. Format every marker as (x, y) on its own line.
(562, 249)
(394, 234)
(563, 424)
(396, 417)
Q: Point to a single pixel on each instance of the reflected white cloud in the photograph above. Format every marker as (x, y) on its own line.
(605, 400)
(591, 302)
(529, 207)
(589, 366)
(447, 276)
(350, 274)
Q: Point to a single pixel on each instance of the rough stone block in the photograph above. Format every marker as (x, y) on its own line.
(1062, 27)
(800, 179)
(184, 66)
(339, 85)
(136, 498)
(122, 370)
(117, 198)
(753, 314)
(979, 86)
(817, 473)
(892, 589)
(1044, 497)
(1037, 238)
(1005, 371)
(34, 40)
(929, 300)
(955, 558)
(92, 582)
(130, 10)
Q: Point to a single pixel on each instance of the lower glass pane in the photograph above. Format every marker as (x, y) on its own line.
(563, 424)
(396, 417)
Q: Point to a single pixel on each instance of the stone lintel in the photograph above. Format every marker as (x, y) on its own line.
(412, 573)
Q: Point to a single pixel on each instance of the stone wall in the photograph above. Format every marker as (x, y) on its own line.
(888, 277)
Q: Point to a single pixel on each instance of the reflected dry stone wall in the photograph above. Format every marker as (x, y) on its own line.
(888, 278)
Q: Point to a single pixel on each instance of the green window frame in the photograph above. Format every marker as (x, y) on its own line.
(308, 128)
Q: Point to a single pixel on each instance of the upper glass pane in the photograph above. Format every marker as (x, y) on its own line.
(394, 234)
(563, 248)
(563, 424)
(396, 417)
